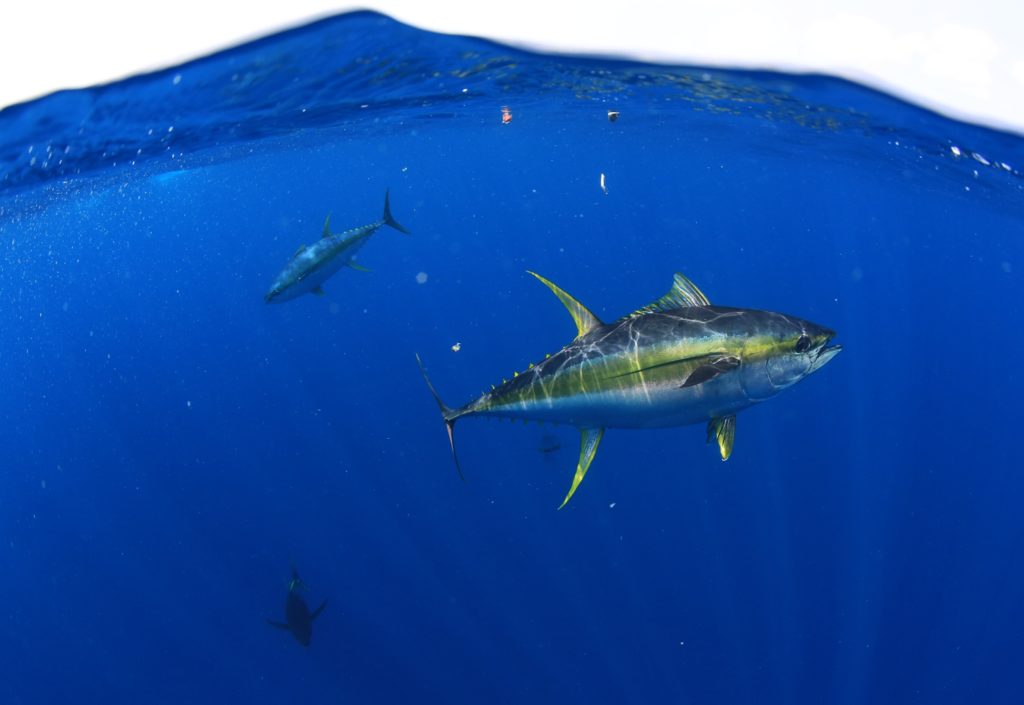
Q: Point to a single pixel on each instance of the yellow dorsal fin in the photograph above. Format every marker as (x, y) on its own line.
(585, 320)
(590, 438)
(683, 294)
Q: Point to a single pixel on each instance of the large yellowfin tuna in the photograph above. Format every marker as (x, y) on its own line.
(312, 265)
(677, 361)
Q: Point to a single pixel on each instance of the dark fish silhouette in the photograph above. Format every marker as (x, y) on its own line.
(549, 445)
(298, 618)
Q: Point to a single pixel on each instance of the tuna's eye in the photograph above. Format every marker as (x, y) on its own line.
(803, 344)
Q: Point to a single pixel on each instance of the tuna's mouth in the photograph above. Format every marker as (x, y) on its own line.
(825, 353)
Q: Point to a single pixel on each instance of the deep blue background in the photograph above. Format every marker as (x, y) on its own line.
(170, 445)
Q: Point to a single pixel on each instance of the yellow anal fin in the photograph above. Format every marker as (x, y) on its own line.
(356, 266)
(724, 431)
(585, 320)
(590, 438)
(317, 291)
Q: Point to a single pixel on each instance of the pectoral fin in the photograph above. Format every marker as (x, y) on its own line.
(279, 625)
(710, 370)
(318, 610)
(316, 290)
(724, 431)
(356, 266)
(589, 440)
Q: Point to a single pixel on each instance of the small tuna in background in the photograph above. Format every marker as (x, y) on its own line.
(298, 619)
(312, 265)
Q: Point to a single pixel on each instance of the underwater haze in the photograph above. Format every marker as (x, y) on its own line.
(171, 446)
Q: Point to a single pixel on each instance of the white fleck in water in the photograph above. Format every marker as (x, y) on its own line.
(612, 505)
(188, 403)
(171, 128)
(955, 150)
(177, 79)
(421, 278)
(1006, 267)
(42, 483)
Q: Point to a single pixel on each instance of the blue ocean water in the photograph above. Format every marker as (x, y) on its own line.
(171, 446)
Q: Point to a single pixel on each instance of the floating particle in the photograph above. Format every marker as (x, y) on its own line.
(421, 278)
(42, 483)
(612, 505)
(955, 150)
(177, 79)
(506, 115)
(457, 347)
(613, 115)
(604, 187)
(188, 403)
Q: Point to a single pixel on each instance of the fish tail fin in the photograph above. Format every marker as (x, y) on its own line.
(388, 218)
(450, 416)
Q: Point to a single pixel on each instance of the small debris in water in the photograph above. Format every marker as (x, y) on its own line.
(612, 505)
(604, 187)
(613, 115)
(457, 347)
(506, 115)
(421, 278)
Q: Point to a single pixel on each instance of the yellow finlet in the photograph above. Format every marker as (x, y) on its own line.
(590, 438)
(585, 320)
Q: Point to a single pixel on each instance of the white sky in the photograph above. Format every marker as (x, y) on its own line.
(962, 57)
